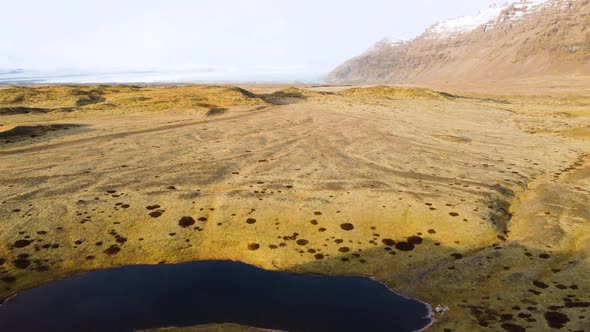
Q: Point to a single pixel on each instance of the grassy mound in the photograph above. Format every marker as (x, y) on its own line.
(191, 97)
(396, 93)
(292, 95)
(124, 98)
(49, 97)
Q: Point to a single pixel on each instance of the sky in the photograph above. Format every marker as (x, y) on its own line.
(311, 36)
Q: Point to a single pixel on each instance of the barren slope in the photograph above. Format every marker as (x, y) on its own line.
(550, 41)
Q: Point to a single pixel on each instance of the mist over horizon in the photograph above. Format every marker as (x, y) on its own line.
(226, 40)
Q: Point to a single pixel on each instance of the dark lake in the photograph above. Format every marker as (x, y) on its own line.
(150, 296)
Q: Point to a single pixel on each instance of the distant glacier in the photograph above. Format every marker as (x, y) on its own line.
(162, 76)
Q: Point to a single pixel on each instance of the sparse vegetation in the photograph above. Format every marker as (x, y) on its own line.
(477, 203)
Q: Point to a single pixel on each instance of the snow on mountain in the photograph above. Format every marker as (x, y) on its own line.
(490, 17)
(530, 38)
(499, 11)
(517, 10)
(456, 26)
(385, 42)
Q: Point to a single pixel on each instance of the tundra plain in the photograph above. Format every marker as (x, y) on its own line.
(475, 201)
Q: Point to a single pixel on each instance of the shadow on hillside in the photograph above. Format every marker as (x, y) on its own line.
(474, 280)
(471, 282)
(24, 110)
(30, 133)
(216, 111)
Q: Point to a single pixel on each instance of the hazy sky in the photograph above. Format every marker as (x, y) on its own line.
(312, 35)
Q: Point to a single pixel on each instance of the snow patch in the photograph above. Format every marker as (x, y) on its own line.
(519, 9)
(497, 13)
(466, 24)
(388, 42)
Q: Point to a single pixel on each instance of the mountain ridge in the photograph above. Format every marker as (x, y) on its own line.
(526, 39)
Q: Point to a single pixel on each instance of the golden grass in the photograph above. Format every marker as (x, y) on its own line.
(395, 92)
(127, 98)
(580, 133)
(416, 164)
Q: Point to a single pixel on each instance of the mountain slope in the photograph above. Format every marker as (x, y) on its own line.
(523, 39)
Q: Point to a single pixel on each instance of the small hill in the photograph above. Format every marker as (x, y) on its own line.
(396, 93)
(43, 99)
(49, 97)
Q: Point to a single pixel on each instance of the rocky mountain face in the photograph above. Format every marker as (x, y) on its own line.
(529, 38)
